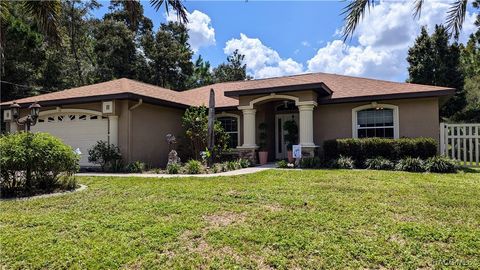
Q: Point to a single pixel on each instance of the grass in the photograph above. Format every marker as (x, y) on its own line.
(273, 219)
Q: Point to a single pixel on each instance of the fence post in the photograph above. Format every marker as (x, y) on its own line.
(442, 138)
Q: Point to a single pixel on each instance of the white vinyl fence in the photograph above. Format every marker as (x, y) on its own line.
(461, 142)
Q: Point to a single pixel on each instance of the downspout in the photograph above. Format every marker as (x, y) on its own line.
(130, 109)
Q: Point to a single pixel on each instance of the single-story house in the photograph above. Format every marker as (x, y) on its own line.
(137, 116)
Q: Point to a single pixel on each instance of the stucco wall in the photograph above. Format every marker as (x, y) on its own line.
(150, 125)
(417, 118)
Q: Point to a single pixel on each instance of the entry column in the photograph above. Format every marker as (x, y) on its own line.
(247, 150)
(306, 129)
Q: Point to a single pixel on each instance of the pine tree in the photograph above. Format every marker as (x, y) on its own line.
(436, 62)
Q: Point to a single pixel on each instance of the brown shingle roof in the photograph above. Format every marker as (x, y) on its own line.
(110, 88)
(344, 88)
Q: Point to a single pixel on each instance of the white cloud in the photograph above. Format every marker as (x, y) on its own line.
(381, 45)
(383, 40)
(200, 30)
(261, 60)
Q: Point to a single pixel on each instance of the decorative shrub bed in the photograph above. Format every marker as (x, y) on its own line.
(406, 154)
(35, 164)
(392, 149)
(198, 167)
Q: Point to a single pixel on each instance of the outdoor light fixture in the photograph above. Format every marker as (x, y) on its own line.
(31, 119)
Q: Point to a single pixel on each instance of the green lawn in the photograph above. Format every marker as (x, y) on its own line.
(273, 219)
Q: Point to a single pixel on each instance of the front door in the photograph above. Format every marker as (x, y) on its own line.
(280, 144)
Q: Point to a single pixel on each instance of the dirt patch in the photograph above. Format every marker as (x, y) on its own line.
(224, 219)
(403, 217)
(273, 207)
(397, 239)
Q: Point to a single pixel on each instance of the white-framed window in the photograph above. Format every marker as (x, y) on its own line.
(375, 120)
(231, 125)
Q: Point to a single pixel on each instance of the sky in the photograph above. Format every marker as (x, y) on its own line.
(281, 38)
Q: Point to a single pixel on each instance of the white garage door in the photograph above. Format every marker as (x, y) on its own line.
(78, 130)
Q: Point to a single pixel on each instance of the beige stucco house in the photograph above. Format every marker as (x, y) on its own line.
(137, 116)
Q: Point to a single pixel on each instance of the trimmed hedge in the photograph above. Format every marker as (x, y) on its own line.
(392, 149)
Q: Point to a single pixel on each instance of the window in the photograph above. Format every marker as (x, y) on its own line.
(230, 125)
(375, 120)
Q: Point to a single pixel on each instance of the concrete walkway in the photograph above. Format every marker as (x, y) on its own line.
(248, 170)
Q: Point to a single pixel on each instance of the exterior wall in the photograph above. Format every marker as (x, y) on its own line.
(417, 118)
(301, 95)
(150, 124)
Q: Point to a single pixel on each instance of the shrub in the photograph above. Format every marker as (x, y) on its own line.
(311, 162)
(232, 165)
(136, 167)
(391, 149)
(106, 155)
(379, 163)
(193, 167)
(439, 164)
(173, 168)
(343, 163)
(282, 164)
(410, 164)
(244, 163)
(35, 163)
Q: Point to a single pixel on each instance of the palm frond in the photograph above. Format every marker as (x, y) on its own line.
(176, 5)
(46, 14)
(4, 12)
(417, 10)
(354, 12)
(456, 17)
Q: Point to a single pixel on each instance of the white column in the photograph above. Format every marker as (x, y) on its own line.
(249, 128)
(306, 125)
(113, 129)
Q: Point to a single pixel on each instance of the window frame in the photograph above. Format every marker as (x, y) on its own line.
(374, 105)
(222, 115)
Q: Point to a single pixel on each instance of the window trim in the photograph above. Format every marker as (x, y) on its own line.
(224, 114)
(373, 105)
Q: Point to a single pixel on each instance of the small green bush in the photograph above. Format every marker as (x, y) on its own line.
(33, 163)
(193, 167)
(343, 163)
(379, 163)
(244, 163)
(106, 155)
(136, 167)
(311, 162)
(173, 168)
(439, 164)
(282, 164)
(410, 164)
(233, 165)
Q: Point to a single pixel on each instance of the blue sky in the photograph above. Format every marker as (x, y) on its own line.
(291, 37)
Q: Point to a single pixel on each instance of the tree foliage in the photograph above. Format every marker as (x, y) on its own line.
(195, 123)
(233, 70)
(434, 61)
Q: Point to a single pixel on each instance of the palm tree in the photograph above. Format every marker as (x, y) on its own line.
(356, 9)
(133, 9)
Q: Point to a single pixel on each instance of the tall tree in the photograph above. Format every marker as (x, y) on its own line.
(436, 62)
(233, 70)
(170, 56)
(201, 74)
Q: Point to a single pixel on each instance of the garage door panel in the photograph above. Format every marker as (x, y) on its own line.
(82, 134)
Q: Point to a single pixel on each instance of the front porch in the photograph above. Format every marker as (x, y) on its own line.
(273, 111)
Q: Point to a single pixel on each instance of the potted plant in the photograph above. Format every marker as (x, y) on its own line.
(262, 152)
(290, 137)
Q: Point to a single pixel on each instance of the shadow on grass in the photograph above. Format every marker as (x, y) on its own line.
(469, 170)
